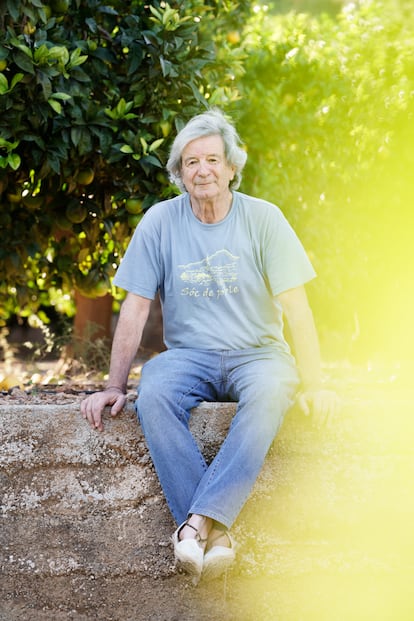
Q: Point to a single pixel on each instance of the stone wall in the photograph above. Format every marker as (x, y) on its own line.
(86, 532)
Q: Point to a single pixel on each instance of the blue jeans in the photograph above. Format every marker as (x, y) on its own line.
(262, 380)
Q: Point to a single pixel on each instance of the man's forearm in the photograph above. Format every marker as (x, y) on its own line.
(122, 356)
(307, 352)
(304, 336)
(313, 399)
(127, 338)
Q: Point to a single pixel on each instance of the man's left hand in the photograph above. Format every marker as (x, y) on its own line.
(322, 404)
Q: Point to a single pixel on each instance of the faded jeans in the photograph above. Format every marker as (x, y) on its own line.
(262, 381)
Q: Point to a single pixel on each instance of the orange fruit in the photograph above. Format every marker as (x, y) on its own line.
(133, 205)
(85, 176)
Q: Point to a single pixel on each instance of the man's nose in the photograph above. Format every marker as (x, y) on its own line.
(203, 168)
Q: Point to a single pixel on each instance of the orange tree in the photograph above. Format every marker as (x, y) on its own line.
(90, 95)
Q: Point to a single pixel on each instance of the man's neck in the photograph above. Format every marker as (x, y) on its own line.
(211, 211)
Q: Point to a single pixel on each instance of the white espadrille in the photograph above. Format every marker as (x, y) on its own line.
(219, 559)
(189, 555)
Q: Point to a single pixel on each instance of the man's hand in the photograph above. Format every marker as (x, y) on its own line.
(93, 406)
(322, 404)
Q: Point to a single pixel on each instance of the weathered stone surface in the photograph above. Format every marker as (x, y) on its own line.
(86, 531)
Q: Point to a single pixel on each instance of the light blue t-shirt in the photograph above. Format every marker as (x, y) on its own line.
(217, 282)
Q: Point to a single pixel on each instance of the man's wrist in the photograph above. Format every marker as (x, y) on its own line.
(113, 387)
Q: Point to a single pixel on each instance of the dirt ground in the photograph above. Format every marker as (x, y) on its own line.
(125, 598)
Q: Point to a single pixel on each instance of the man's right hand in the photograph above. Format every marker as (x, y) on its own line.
(93, 406)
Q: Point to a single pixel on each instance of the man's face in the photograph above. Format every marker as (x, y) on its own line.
(204, 168)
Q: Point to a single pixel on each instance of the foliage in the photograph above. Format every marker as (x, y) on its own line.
(90, 95)
(326, 109)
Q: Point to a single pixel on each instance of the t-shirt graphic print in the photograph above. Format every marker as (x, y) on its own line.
(213, 276)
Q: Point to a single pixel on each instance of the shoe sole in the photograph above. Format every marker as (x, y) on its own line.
(215, 566)
(185, 559)
(187, 567)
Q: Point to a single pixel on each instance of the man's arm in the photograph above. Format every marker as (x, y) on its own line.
(127, 338)
(313, 398)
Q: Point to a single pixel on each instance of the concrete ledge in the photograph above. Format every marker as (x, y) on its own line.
(79, 505)
(85, 526)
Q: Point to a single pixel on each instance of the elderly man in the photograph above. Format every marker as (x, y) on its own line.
(227, 267)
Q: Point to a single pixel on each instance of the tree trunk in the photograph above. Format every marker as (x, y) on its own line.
(93, 319)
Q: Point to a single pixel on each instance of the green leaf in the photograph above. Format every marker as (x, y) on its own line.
(4, 85)
(108, 10)
(57, 107)
(154, 161)
(41, 53)
(126, 149)
(8, 145)
(22, 48)
(78, 74)
(35, 138)
(24, 62)
(62, 96)
(148, 162)
(166, 67)
(14, 161)
(139, 98)
(85, 142)
(105, 139)
(199, 97)
(13, 9)
(45, 83)
(91, 23)
(76, 59)
(54, 162)
(76, 134)
(44, 18)
(121, 108)
(111, 113)
(156, 13)
(135, 58)
(157, 143)
(59, 53)
(18, 77)
(151, 38)
(144, 144)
